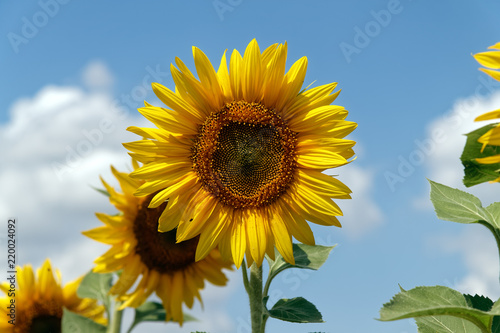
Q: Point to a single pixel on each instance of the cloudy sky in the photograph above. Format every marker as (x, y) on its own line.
(74, 72)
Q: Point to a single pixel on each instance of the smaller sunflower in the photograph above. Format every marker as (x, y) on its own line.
(40, 300)
(155, 259)
(490, 59)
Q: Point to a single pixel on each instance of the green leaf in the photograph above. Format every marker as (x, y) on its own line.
(296, 310)
(445, 324)
(435, 301)
(74, 323)
(306, 257)
(458, 206)
(474, 172)
(96, 286)
(153, 311)
(494, 209)
(479, 302)
(434, 324)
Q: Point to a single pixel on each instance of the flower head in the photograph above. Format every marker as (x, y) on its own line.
(40, 300)
(239, 154)
(490, 59)
(156, 260)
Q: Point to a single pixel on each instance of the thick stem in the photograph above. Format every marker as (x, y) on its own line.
(255, 296)
(116, 320)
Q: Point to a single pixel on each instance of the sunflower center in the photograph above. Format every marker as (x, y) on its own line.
(40, 317)
(244, 155)
(159, 251)
(46, 324)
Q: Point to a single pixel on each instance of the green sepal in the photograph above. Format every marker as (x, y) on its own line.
(100, 190)
(474, 172)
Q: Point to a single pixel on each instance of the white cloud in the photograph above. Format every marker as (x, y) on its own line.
(54, 147)
(480, 255)
(445, 142)
(97, 76)
(361, 213)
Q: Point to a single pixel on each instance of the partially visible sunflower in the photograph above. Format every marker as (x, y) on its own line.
(155, 259)
(490, 59)
(239, 154)
(40, 300)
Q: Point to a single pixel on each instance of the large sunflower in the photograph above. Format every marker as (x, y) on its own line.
(39, 301)
(160, 264)
(239, 154)
(490, 59)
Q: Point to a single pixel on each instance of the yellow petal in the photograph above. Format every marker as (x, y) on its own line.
(174, 102)
(496, 46)
(252, 75)
(492, 137)
(320, 159)
(256, 233)
(282, 238)
(184, 183)
(292, 83)
(494, 74)
(489, 59)
(322, 184)
(489, 115)
(238, 239)
(296, 224)
(274, 75)
(223, 75)
(235, 69)
(489, 160)
(208, 77)
(169, 120)
(213, 230)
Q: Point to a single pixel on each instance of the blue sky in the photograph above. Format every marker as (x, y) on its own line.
(407, 77)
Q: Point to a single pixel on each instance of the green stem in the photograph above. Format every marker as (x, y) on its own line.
(255, 296)
(245, 276)
(494, 231)
(116, 320)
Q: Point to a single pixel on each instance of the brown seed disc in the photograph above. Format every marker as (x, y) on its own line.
(245, 155)
(159, 250)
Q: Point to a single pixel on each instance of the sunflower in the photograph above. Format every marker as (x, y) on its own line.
(239, 154)
(490, 59)
(155, 259)
(39, 301)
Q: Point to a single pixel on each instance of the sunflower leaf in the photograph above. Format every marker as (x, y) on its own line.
(446, 324)
(459, 206)
(475, 172)
(441, 309)
(153, 311)
(74, 323)
(306, 257)
(479, 302)
(96, 286)
(296, 310)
